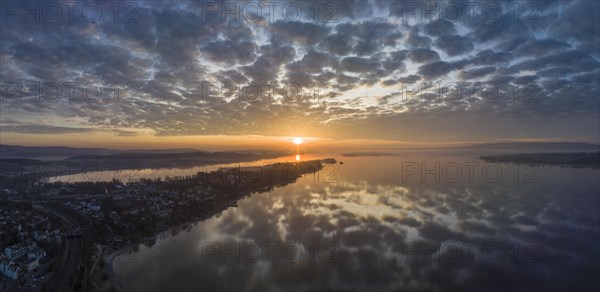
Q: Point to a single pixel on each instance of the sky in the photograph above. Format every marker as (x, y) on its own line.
(255, 74)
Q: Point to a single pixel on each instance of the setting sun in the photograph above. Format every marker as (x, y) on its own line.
(297, 140)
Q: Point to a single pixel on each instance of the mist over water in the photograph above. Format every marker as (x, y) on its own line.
(377, 223)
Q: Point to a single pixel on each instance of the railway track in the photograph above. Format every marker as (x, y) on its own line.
(65, 276)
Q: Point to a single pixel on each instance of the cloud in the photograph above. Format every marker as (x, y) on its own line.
(436, 69)
(43, 129)
(338, 44)
(454, 44)
(125, 133)
(489, 57)
(414, 40)
(266, 67)
(230, 52)
(578, 20)
(360, 65)
(439, 27)
(171, 52)
(542, 47)
(476, 73)
(423, 56)
(299, 32)
(370, 36)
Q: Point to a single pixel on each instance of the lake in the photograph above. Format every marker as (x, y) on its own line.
(421, 220)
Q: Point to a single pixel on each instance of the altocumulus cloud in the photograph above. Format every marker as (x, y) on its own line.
(162, 62)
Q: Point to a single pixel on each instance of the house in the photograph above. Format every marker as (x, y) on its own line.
(36, 253)
(16, 251)
(94, 207)
(9, 268)
(39, 235)
(30, 264)
(22, 235)
(19, 250)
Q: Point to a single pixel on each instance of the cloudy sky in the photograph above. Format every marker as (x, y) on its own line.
(246, 74)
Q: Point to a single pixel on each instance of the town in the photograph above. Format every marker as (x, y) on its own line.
(29, 238)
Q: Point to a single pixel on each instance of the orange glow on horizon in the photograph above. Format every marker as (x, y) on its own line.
(214, 142)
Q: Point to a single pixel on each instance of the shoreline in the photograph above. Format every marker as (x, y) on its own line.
(113, 279)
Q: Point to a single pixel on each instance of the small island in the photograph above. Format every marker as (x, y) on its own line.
(583, 159)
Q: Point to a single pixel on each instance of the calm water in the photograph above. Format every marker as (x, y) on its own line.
(377, 224)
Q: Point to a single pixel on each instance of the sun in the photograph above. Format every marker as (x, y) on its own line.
(297, 140)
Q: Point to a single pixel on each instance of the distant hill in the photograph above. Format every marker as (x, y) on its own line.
(60, 152)
(75, 154)
(566, 159)
(22, 159)
(50, 152)
(534, 146)
(163, 155)
(168, 150)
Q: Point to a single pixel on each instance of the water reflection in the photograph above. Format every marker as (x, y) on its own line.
(372, 230)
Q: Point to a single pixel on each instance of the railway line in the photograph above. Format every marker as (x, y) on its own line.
(65, 277)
